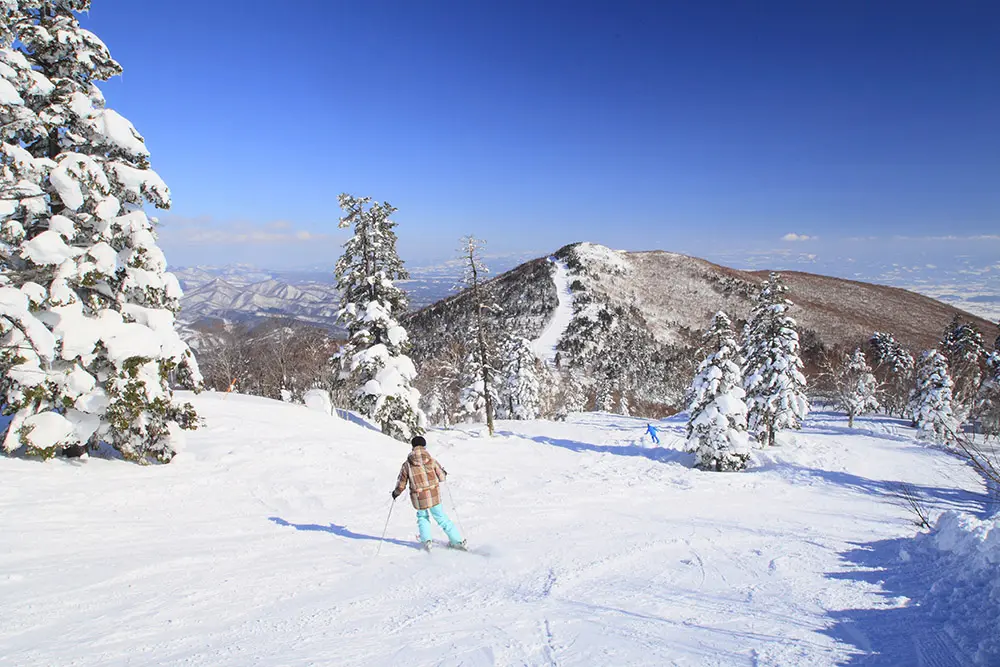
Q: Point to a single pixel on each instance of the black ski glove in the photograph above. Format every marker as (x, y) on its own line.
(395, 494)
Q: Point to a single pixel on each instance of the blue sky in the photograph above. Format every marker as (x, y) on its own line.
(709, 128)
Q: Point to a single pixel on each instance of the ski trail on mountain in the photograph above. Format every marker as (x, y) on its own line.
(545, 345)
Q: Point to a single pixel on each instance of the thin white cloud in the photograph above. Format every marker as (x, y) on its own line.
(179, 231)
(949, 237)
(792, 236)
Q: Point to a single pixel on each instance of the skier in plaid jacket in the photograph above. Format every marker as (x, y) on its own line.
(424, 475)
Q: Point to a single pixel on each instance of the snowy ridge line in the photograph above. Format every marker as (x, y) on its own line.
(545, 345)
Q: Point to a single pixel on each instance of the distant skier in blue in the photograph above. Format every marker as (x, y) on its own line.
(651, 430)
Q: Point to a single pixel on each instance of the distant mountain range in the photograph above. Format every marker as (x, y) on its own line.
(241, 292)
(234, 294)
(971, 283)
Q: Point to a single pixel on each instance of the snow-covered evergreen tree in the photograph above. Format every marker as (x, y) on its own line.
(855, 386)
(480, 392)
(932, 401)
(893, 371)
(624, 408)
(988, 403)
(79, 249)
(521, 391)
(550, 391)
(502, 408)
(480, 388)
(773, 380)
(375, 360)
(963, 347)
(717, 416)
(604, 397)
(573, 394)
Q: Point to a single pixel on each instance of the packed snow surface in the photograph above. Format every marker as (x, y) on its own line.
(589, 547)
(545, 345)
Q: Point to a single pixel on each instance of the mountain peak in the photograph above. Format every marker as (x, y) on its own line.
(637, 317)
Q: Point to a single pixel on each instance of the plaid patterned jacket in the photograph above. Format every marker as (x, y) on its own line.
(423, 474)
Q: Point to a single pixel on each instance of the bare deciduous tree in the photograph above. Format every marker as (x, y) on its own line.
(278, 359)
(480, 392)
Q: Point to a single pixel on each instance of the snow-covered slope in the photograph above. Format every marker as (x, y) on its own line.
(545, 346)
(257, 546)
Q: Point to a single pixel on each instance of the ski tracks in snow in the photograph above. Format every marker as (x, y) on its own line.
(587, 550)
(678, 580)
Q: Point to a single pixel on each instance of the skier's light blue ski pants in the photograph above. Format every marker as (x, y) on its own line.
(424, 524)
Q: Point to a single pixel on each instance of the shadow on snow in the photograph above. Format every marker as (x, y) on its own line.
(903, 632)
(871, 426)
(662, 454)
(340, 531)
(933, 497)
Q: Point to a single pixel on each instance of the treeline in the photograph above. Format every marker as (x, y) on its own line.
(953, 386)
(277, 358)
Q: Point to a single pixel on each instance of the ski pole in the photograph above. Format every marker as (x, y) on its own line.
(454, 509)
(384, 530)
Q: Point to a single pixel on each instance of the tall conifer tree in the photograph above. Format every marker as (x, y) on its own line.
(375, 360)
(988, 401)
(894, 372)
(77, 244)
(933, 411)
(962, 345)
(521, 390)
(773, 380)
(717, 421)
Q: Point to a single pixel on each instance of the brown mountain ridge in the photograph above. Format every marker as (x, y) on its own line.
(638, 317)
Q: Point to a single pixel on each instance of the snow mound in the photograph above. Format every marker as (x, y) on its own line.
(964, 554)
(318, 400)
